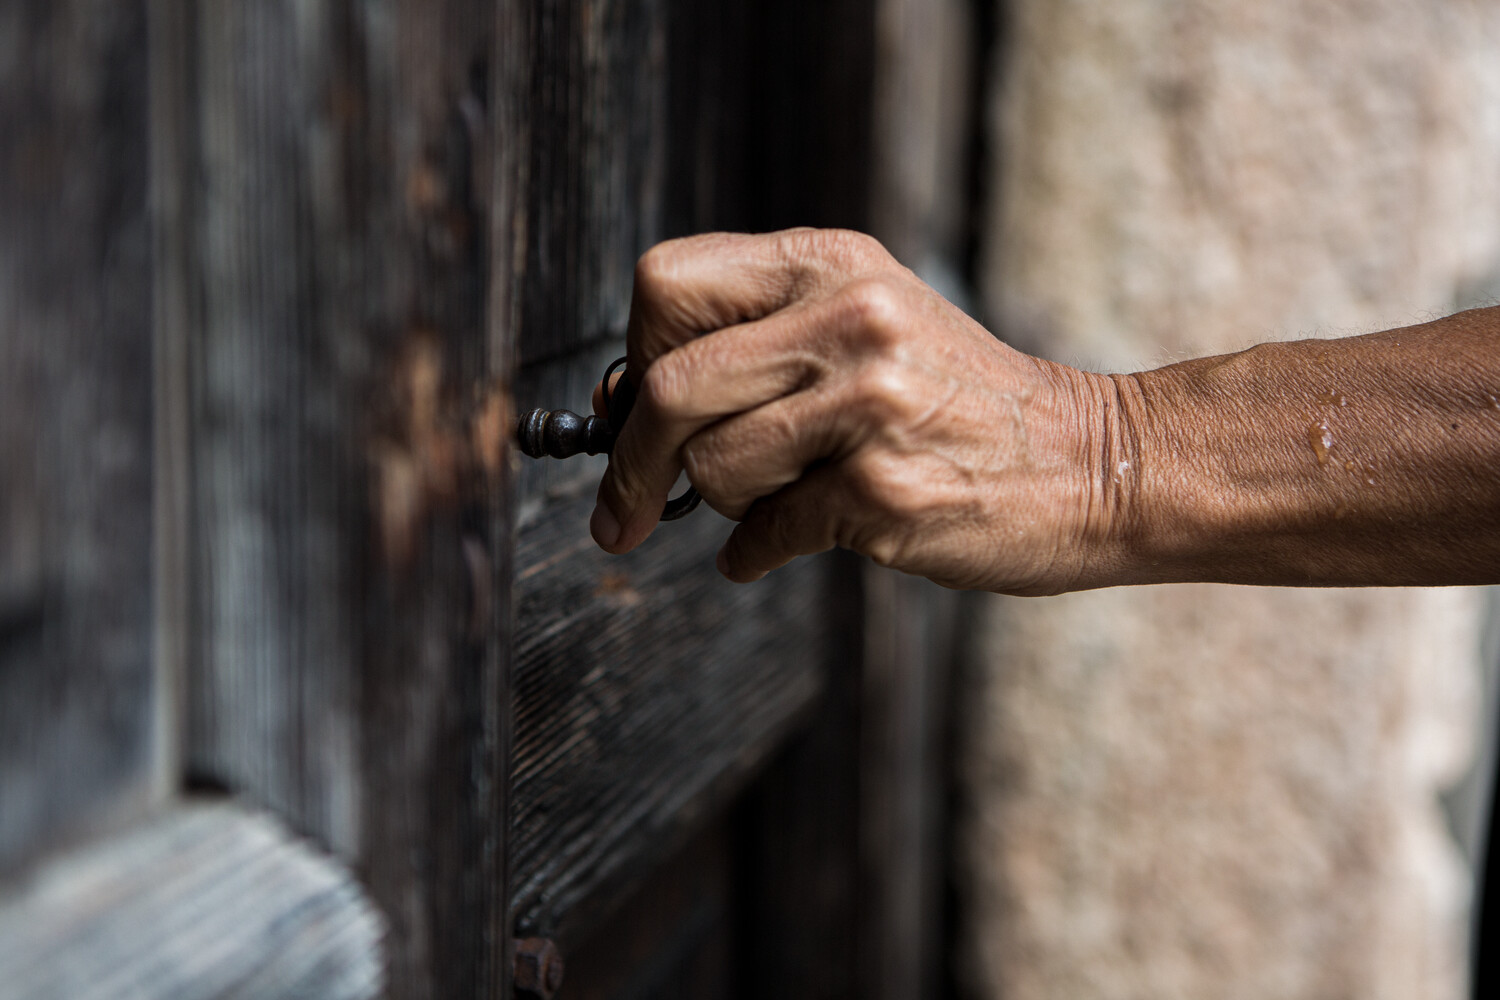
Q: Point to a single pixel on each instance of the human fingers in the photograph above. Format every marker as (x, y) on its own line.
(600, 410)
(742, 458)
(856, 339)
(800, 519)
(875, 377)
(683, 391)
(695, 285)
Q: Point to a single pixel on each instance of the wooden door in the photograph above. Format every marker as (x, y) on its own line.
(254, 705)
(649, 692)
(308, 686)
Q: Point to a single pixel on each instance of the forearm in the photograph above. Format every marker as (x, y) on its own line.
(1367, 461)
(840, 401)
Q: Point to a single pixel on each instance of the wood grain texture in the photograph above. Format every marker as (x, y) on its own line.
(79, 746)
(930, 55)
(596, 157)
(647, 691)
(205, 901)
(647, 688)
(812, 116)
(930, 71)
(332, 169)
(905, 756)
(673, 939)
(801, 918)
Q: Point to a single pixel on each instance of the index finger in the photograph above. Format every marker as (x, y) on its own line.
(684, 391)
(687, 287)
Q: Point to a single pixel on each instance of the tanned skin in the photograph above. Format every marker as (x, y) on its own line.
(837, 400)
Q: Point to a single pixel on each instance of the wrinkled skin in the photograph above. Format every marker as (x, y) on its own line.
(820, 394)
(841, 401)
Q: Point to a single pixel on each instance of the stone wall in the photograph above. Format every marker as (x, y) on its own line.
(1201, 791)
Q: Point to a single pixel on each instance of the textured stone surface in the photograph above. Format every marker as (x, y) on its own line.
(1210, 791)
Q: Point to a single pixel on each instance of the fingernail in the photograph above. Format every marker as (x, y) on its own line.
(722, 562)
(603, 526)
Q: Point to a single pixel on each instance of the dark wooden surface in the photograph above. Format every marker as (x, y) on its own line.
(327, 260)
(647, 690)
(799, 867)
(804, 899)
(905, 752)
(80, 746)
(766, 116)
(595, 159)
(674, 938)
(205, 900)
(364, 217)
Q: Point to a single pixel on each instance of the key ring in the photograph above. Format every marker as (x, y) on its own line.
(563, 434)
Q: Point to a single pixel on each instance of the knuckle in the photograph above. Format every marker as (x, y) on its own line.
(705, 469)
(866, 478)
(885, 549)
(884, 393)
(882, 485)
(657, 268)
(886, 381)
(857, 247)
(872, 307)
(664, 386)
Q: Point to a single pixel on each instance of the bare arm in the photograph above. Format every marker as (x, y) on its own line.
(1365, 461)
(840, 401)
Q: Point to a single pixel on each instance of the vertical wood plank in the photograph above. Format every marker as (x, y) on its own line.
(799, 890)
(928, 71)
(806, 895)
(637, 124)
(78, 747)
(595, 169)
(904, 759)
(334, 172)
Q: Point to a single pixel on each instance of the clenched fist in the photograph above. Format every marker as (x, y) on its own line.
(820, 394)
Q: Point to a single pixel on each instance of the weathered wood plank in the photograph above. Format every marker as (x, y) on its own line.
(647, 688)
(811, 116)
(277, 365)
(205, 901)
(349, 570)
(647, 691)
(801, 871)
(78, 744)
(925, 136)
(807, 906)
(904, 762)
(673, 939)
(596, 165)
(928, 127)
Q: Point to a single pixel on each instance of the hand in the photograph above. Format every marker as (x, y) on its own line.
(820, 394)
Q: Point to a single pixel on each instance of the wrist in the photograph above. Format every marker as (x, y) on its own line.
(1093, 482)
(1189, 513)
